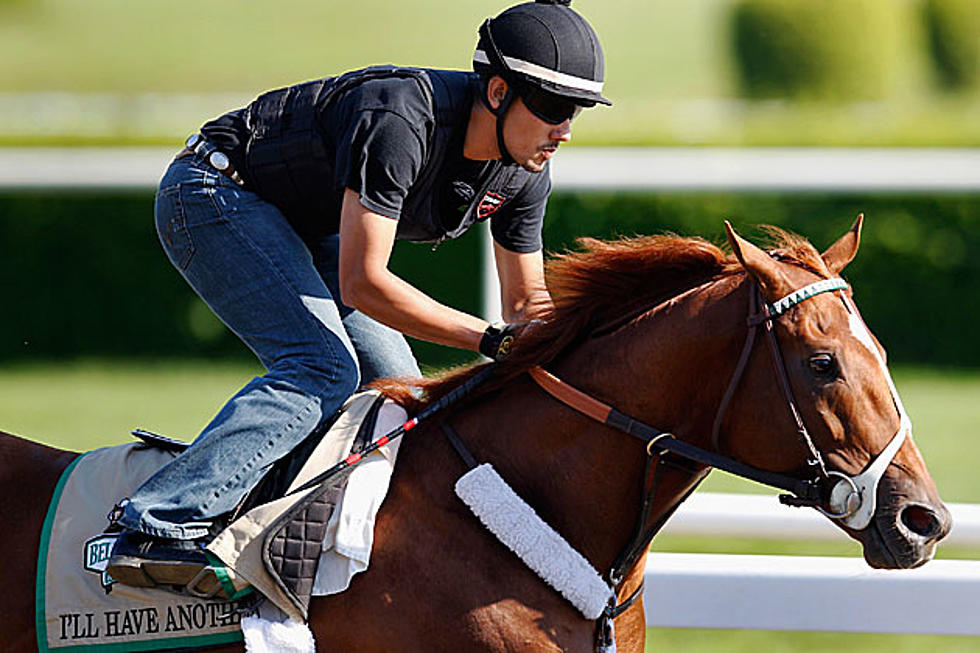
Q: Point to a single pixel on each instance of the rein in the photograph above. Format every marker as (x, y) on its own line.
(808, 492)
(663, 441)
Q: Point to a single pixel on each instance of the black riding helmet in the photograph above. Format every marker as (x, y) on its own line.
(548, 55)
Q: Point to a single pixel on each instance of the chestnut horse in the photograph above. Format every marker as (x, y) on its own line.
(652, 326)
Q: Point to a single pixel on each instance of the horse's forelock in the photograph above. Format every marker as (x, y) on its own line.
(795, 248)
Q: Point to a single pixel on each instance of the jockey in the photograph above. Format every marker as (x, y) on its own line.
(282, 216)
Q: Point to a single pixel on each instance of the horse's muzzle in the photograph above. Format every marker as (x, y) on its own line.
(904, 535)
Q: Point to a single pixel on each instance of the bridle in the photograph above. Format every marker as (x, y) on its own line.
(849, 499)
(847, 495)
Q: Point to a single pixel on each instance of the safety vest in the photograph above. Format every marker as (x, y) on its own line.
(287, 163)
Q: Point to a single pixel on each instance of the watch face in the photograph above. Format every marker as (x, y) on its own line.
(219, 160)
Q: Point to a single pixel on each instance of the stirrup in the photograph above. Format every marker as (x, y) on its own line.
(199, 590)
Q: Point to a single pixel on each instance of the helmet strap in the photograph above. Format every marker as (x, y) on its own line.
(500, 112)
(500, 64)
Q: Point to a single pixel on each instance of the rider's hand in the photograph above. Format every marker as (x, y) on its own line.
(498, 338)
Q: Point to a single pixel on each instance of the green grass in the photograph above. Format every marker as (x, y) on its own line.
(85, 404)
(842, 547)
(184, 46)
(88, 404)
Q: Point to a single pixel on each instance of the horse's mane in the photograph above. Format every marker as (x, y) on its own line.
(600, 287)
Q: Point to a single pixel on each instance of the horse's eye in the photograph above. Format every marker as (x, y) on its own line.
(823, 365)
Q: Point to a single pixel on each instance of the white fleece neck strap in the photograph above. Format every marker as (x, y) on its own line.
(537, 544)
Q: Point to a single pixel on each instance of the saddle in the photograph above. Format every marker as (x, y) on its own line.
(274, 539)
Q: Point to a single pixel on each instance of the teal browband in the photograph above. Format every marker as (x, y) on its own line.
(804, 293)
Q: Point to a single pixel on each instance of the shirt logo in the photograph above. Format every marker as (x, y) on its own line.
(489, 205)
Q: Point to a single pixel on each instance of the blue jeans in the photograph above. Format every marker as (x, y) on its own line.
(280, 295)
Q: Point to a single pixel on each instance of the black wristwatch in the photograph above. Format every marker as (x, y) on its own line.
(497, 340)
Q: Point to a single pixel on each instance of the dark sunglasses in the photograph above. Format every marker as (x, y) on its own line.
(551, 108)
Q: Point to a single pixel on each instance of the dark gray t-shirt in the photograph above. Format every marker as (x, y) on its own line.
(377, 134)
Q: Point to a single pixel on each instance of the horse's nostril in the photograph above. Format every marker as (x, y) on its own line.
(921, 520)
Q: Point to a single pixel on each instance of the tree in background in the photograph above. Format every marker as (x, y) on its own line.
(810, 49)
(953, 31)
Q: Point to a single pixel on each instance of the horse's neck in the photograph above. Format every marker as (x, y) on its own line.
(585, 479)
(670, 367)
(580, 480)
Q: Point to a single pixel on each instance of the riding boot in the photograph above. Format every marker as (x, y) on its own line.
(141, 560)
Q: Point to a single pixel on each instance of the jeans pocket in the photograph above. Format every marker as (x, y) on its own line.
(171, 224)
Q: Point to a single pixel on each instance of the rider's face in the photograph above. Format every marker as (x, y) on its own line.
(530, 140)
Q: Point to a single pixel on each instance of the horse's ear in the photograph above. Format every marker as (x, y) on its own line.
(762, 267)
(842, 252)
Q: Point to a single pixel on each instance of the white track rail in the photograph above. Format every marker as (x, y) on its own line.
(810, 593)
(585, 168)
(804, 593)
(762, 516)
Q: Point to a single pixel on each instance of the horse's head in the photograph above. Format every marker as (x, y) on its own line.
(849, 409)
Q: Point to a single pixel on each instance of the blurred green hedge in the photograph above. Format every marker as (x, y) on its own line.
(818, 49)
(953, 30)
(83, 275)
(915, 277)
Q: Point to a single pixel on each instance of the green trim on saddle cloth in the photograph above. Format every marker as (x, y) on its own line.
(137, 619)
(183, 642)
(221, 573)
(40, 619)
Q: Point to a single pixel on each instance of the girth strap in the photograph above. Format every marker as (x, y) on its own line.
(643, 534)
(614, 612)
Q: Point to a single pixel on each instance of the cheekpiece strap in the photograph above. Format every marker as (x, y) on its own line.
(614, 612)
(806, 292)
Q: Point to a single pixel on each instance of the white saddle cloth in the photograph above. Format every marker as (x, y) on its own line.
(350, 532)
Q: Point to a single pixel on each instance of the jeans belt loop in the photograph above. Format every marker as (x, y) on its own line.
(197, 144)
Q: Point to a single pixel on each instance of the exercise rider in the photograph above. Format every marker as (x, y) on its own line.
(282, 217)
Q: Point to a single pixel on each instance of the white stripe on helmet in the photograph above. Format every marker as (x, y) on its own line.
(540, 72)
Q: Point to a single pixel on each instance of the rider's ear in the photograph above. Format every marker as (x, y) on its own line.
(763, 268)
(842, 252)
(496, 90)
